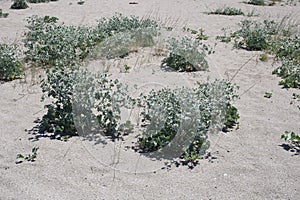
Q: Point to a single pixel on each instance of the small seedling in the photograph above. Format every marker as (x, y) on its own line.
(201, 35)
(194, 32)
(268, 95)
(127, 68)
(28, 157)
(263, 57)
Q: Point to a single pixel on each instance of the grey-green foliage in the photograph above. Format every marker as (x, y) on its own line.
(40, 1)
(19, 4)
(227, 11)
(185, 115)
(50, 44)
(58, 87)
(287, 50)
(75, 94)
(123, 35)
(3, 15)
(185, 54)
(119, 23)
(103, 95)
(255, 35)
(11, 66)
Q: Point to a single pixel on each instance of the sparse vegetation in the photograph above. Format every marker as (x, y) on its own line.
(184, 55)
(188, 115)
(11, 66)
(255, 36)
(19, 4)
(3, 15)
(227, 11)
(28, 157)
(268, 95)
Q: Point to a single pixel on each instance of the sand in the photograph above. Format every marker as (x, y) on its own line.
(250, 161)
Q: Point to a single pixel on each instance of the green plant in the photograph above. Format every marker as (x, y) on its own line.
(4, 15)
(49, 44)
(255, 36)
(75, 94)
(257, 2)
(231, 117)
(28, 157)
(268, 95)
(184, 55)
(81, 2)
(290, 136)
(119, 23)
(19, 4)
(293, 139)
(59, 87)
(11, 66)
(227, 11)
(287, 50)
(263, 57)
(201, 35)
(184, 114)
(289, 71)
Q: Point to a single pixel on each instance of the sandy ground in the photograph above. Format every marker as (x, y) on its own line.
(250, 164)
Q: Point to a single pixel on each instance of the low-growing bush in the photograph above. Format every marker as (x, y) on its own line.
(11, 66)
(119, 23)
(287, 49)
(181, 118)
(19, 4)
(227, 11)
(50, 44)
(75, 94)
(122, 43)
(40, 1)
(185, 56)
(255, 36)
(289, 71)
(257, 2)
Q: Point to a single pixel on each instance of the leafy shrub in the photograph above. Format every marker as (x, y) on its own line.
(123, 35)
(188, 115)
(119, 23)
(287, 49)
(59, 87)
(50, 44)
(121, 44)
(289, 71)
(227, 11)
(2, 14)
(75, 94)
(184, 55)
(19, 4)
(40, 1)
(10, 65)
(257, 2)
(255, 36)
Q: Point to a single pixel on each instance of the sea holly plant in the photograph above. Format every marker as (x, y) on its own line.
(11, 66)
(255, 36)
(185, 56)
(177, 121)
(83, 102)
(49, 43)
